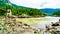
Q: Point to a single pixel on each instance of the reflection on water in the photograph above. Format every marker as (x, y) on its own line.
(42, 24)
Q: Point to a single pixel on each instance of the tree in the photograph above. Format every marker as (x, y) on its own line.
(57, 13)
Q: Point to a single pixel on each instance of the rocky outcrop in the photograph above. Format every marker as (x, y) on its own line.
(54, 28)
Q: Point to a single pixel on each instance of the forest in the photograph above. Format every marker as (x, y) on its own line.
(18, 10)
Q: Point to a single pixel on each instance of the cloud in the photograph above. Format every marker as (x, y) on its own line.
(37, 3)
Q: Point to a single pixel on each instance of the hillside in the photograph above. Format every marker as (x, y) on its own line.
(48, 11)
(19, 10)
(5, 4)
(57, 13)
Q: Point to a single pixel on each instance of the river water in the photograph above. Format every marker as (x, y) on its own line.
(43, 23)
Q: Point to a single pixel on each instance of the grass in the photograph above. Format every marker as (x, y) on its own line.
(38, 33)
(0, 20)
(30, 20)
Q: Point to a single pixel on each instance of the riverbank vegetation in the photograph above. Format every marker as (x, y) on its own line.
(30, 12)
(20, 11)
(31, 20)
(57, 13)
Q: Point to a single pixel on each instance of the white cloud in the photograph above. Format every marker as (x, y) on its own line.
(37, 3)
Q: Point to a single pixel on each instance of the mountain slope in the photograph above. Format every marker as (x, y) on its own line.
(48, 11)
(4, 3)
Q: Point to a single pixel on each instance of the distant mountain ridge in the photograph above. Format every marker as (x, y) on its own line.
(49, 11)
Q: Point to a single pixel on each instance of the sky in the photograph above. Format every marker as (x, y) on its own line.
(39, 4)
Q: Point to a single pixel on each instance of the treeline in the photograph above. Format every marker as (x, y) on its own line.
(2, 13)
(27, 11)
(30, 12)
(56, 13)
(20, 11)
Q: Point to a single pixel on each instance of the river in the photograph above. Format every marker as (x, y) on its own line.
(43, 23)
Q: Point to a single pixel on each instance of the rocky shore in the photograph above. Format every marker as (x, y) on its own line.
(53, 28)
(11, 26)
